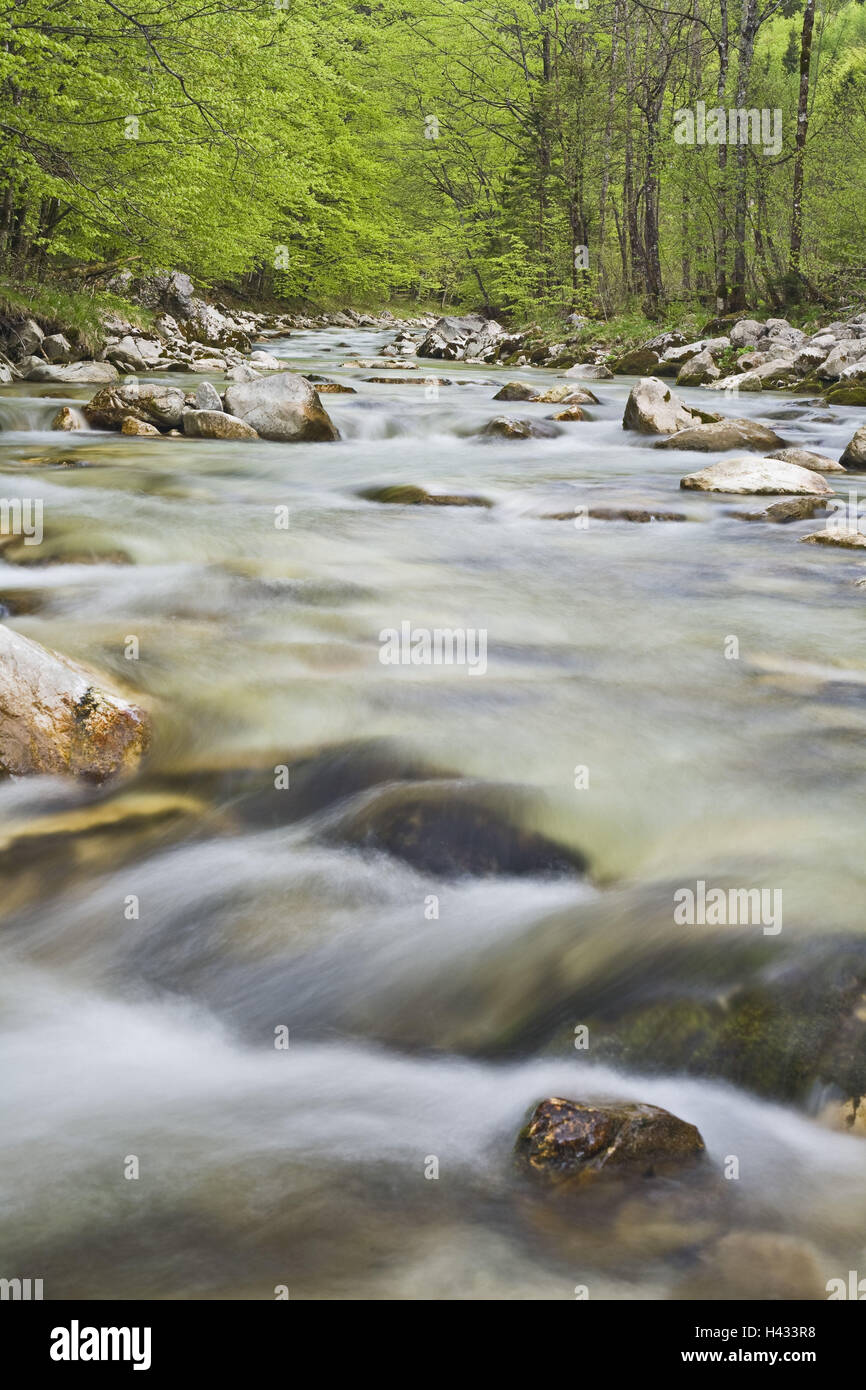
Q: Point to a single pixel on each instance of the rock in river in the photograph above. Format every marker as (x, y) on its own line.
(506, 427)
(57, 717)
(854, 456)
(652, 408)
(216, 424)
(720, 435)
(567, 1143)
(409, 495)
(756, 475)
(281, 407)
(158, 405)
(819, 463)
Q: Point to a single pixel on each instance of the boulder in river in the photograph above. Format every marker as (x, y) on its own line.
(567, 1143)
(590, 371)
(854, 456)
(516, 391)
(846, 537)
(153, 403)
(653, 408)
(792, 509)
(216, 424)
(281, 407)
(58, 717)
(507, 427)
(719, 435)
(571, 412)
(637, 362)
(757, 475)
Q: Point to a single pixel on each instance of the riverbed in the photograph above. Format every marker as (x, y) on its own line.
(157, 936)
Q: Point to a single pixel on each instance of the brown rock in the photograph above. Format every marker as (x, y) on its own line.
(58, 717)
(567, 1143)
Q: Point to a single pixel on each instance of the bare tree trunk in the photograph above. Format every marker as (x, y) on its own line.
(800, 150)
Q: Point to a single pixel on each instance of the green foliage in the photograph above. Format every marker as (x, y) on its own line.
(458, 152)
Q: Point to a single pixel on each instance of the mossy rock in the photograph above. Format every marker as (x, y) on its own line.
(640, 361)
(846, 395)
(409, 495)
(778, 1035)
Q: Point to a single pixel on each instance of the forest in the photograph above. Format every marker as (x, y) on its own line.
(520, 157)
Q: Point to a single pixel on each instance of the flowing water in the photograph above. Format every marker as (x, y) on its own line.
(155, 935)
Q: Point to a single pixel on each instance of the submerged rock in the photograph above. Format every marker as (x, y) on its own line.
(571, 412)
(757, 475)
(453, 828)
(282, 407)
(567, 1143)
(635, 514)
(409, 495)
(57, 717)
(794, 509)
(506, 427)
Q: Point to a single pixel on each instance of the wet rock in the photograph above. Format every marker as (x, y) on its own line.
(69, 417)
(133, 426)
(571, 412)
(506, 427)
(158, 405)
(58, 717)
(634, 514)
(846, 537)
(207, 397)
(515, 391)
(804, 458)
(281, 407)
(565, 395)
(794, 509)
(652, 408)
(568, 1143)
(720, 435)
(216, 424)
(335, 388)
(408, 495)
(757, 475)
(453, 829)
(854, 456)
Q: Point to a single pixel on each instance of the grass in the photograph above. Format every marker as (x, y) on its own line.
(73, 312)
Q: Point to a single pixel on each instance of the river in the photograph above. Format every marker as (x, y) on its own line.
(157, 936)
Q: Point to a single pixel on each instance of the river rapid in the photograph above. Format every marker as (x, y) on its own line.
(158, 937)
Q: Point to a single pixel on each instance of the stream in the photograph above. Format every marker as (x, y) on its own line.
(159, 935)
